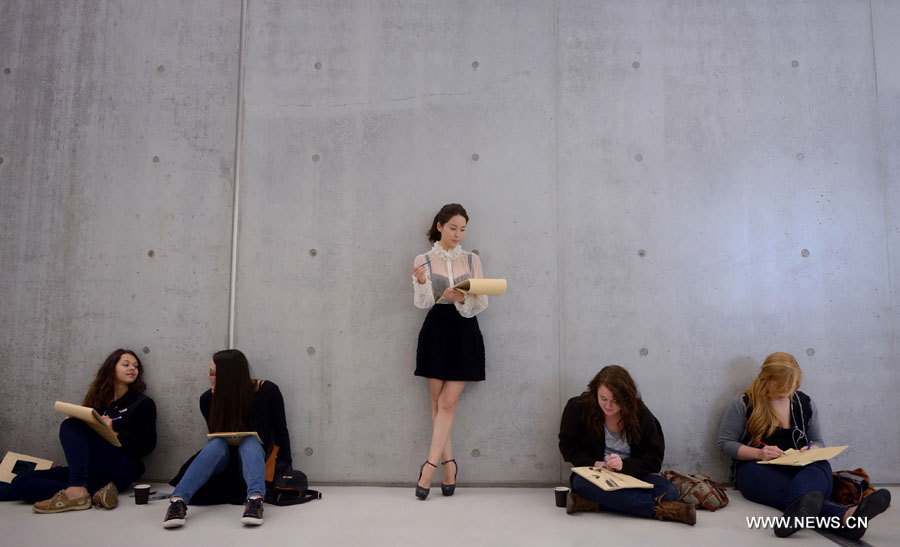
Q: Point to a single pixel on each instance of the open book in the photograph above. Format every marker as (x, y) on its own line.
(234, 438)
(610, 480)
(799, 459)
(89, 416)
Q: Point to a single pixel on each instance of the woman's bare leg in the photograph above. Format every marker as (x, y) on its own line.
(443, 423)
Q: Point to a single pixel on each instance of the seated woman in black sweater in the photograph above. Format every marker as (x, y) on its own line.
(96, 469)
(609, 426)
(223, 474)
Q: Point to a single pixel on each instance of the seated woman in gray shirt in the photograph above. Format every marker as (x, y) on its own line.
(766, 419)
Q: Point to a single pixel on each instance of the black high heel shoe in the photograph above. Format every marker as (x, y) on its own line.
(422, 493)
(448, 489)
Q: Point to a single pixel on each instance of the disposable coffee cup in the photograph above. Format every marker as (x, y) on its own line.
(141, 493)
(561, 493)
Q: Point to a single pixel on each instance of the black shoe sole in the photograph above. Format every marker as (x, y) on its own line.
(869, 508)
(809, 505)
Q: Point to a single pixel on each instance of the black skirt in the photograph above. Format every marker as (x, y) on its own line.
(450, 346)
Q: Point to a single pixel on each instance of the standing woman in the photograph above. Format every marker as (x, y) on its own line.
(97, 470)
(772, 416)
(220, 473)
(610, 426)
(451, 349)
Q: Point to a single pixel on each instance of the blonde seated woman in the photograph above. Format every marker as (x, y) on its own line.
(766, 419)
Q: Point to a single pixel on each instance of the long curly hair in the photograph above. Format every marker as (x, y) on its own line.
(103, 388)
(779, 375)
(617, 380)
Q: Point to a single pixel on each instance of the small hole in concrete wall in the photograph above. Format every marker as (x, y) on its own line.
(810, 352)
(635, 65)
(475, 157)
(643, 352)
(310, 350)
(475, 64)
(313, 252)
(795, 63)
(1, 161)
(800, 156)
(160, 69)
(155, 159)
(6, 71)
(315, 158)
(642, 253)
(638, 157)
(476, 453)
(308, 451)
(150, 253)
(804, 253)
(318, 66)
(146, 350)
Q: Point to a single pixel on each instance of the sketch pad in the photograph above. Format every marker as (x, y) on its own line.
(799, 459)
(610, 480)
(490, 287)
(8, 465)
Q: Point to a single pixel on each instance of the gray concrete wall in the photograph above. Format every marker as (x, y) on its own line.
(679, 188)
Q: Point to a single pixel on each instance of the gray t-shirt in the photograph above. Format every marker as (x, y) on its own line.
(616, 443)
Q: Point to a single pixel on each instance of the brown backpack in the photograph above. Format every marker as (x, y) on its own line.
(698, 490)
(851, 487)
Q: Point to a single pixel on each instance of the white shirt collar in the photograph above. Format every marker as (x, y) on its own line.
(439, 251)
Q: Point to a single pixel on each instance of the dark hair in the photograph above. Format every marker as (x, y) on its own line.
(103, 388)
(619, 382)
(443, 216)
(233, 397)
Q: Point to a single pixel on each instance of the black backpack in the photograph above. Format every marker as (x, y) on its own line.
(284, 485)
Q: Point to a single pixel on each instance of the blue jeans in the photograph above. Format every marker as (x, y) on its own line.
(214, 458)
(93, 463)
(634, 501)
(779, 486)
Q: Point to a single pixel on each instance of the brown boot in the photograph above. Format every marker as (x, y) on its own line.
(676, 510)
(578, 504)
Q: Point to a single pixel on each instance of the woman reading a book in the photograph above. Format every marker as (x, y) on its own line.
(766, 419)
(450, 350)
(609, 426)
(96, 469)
(233, 473)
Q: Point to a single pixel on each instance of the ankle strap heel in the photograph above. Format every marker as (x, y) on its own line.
(449, 489)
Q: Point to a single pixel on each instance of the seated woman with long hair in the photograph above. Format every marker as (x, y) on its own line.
(96, 469)
(766, 419)
(610, 426)
(220, 473)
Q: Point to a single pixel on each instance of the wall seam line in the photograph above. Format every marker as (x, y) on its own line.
(236, 177)
(559, 371)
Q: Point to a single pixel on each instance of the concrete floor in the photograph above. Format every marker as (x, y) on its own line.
(375, 516)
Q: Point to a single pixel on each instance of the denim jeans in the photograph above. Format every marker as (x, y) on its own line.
(634, 501)
(779, 486)
(93, 463)
(214, 458)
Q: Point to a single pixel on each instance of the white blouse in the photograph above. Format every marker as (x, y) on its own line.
(445, 269)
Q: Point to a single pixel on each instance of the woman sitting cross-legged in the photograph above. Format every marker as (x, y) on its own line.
(772, 416)
(220, 473)
(610, 426)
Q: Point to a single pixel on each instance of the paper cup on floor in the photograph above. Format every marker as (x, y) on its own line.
(561, 492)
(141, 493)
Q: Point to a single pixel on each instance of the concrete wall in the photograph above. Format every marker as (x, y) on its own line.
(679, 188)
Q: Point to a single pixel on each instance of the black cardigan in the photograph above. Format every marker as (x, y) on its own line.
(268, 419)
(134, 416)
(581, 446)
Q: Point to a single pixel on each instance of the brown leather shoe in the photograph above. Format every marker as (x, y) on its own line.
(578, 504)
(107, 497)
(676, 511)
(60, 502)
